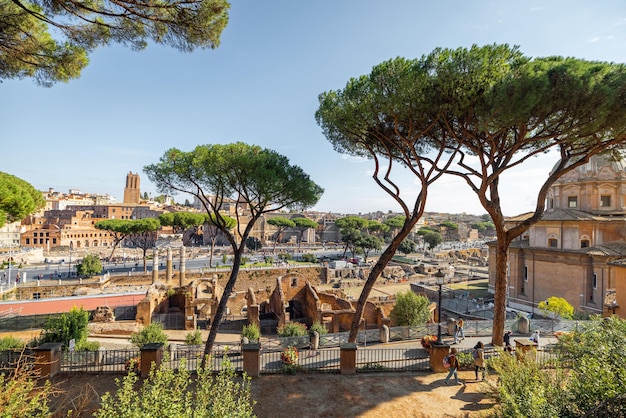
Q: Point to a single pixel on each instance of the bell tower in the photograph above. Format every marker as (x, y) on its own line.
(132, 194)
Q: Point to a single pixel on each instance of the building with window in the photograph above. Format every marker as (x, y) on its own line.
(578, 249)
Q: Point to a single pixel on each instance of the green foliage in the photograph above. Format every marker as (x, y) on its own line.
(21, 396)
(252, 332)
(596, 354)
(410, 309)
(175, 393)
(556, 307)
(285, 256)
(292, 329)
(319, 327)
(407, 246)
(61, 37)
(65, 327)
(253, 244)
(18, 198)
(11, 343)
(85, 345)
(524, 389)
(89, 265)
(152, 333)
(432, 239)
(449, 225)
(484, 226)
(587, 374)
(309, 258)
(180, 221)
(193, 338)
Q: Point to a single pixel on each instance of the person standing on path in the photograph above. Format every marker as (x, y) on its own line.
(478, 353)
(454, 366)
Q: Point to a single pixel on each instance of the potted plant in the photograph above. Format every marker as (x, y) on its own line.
(289, 356)
(428, 340)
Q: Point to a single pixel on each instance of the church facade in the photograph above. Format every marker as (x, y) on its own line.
(578, 249)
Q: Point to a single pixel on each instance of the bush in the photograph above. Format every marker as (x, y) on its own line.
(292, 329)
(89, 266)
(252, 332)
(153, 333)
(11, 343)
(309, 258)
(319, 328)
(69, 325)
(410, 309)
(87, 346)
(193, 338)
(22, 396)
(175, 393)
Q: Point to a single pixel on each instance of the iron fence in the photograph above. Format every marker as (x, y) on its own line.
(392, 360)
(311, 361)
(101, 361)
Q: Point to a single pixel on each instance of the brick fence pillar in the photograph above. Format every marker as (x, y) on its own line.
(347, 361)
(150, 353)
(252, 359)
(48, 359)
(437, 354)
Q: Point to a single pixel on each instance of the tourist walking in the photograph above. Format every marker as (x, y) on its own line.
(454, 366)
(478, 353)
(460, 334)
(534, 337)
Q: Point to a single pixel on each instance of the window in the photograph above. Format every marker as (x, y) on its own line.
(27, 241)
(605, 201)
(572, 202)
(525, 274)
(584, 243)
(550, 203)
(553, 243)
(595, 281)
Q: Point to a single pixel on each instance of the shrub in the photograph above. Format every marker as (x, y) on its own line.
(193, 338)
(251, 332)
(309, 258)
(69, 325)
(292, 329)
(175, 393)
(87, 346)
(410, 309)
(11, 343)
(153, 333)
(21, 396)
(319, 328)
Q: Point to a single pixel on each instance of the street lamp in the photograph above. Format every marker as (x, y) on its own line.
(69, 267)
(439, 278)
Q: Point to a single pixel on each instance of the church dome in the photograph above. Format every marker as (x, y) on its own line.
(597, 187)
(604, 166)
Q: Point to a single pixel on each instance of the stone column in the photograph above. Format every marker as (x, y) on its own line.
(252, 359)
(48, 359)
(168, 271)
(155, 266)
(181, 276)
(384, 334)
(347, 360)
(150, 353)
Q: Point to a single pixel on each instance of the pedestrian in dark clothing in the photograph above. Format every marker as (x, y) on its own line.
(507, 338)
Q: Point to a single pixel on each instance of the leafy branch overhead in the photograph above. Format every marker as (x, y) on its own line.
(50, 40)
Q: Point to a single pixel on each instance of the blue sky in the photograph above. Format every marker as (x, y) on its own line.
(261, 86)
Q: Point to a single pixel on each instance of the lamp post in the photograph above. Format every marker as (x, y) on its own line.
(69, 267)
(439, 277)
